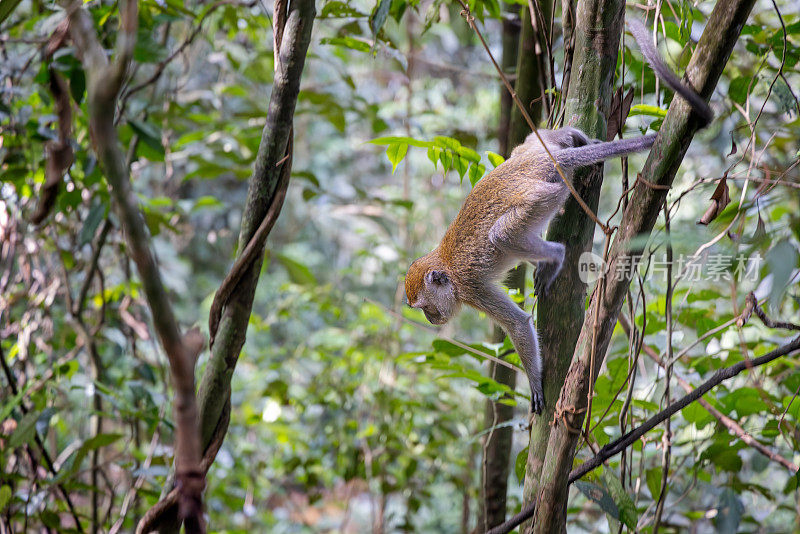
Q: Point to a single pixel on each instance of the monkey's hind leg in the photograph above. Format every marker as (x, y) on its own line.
(525, 245)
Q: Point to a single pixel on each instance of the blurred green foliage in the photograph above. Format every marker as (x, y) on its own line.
(348, 415)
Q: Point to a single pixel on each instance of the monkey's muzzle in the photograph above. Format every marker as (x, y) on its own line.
(434, 317)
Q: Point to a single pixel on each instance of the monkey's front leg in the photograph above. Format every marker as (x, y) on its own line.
(523, 336)
(519, 327)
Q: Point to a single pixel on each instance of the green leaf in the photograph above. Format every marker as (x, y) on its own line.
(737, 89)
(50, 519)
(5, 497)
(93, 443)
(149, 134)
(433, 154)
(476, 172)
(100, 440)
(6, 8)
(469, 154)
(396, 152)
(207, 202)
(782, 259)
(650, 111)
(460, 165)
(520, 463)
(77, 83)
(298, 273)
(348, 42)
(653, 478)
(446, 347)
(495, 159)
(379, 14)
(448, 143)
(730, 510)
(624, 502)
(26, 430)
(340, 10)
(96, 214)
(390, 140)
(447, 160)
(600, 495)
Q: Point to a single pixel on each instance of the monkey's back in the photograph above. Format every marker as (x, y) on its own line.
(516, 185)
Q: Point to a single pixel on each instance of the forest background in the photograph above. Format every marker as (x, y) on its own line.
(345, 411)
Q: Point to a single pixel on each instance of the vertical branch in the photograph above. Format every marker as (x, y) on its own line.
(104, 82)
(666, 440)
(594, 32)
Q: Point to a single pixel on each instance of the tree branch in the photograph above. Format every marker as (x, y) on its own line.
(623, 442)
(104, 82)
(732, 426)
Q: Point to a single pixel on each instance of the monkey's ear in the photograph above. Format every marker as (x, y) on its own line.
(437, 277)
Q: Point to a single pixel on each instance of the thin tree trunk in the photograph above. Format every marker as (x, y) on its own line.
(560, 314)
(215, 387)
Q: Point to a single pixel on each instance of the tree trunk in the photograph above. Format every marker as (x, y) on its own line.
(560, 313)
(530, 86)
(215, 387)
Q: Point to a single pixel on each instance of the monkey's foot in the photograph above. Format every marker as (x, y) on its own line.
(545, 274)
(537, 402)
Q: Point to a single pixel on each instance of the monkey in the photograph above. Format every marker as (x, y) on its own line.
(502, 220)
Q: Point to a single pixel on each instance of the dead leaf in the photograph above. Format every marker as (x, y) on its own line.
(618, 113)
(719, 200)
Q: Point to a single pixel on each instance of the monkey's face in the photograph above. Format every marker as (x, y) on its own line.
(431, 291)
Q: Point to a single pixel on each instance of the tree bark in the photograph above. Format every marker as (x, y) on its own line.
(560, 313)
(703, 72)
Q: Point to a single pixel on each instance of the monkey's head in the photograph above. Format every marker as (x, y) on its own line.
(430, 288)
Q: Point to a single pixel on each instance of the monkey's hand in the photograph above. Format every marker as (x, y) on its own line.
(537, 400)
(546, 272)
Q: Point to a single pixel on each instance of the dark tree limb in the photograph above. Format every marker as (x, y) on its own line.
(104, 82)
(732, 426)
(264, 195)
(623, 442)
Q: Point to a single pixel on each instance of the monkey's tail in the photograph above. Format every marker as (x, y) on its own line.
(651, 55)
(597, 152)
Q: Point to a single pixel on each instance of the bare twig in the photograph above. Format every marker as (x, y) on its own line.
(751, 305)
